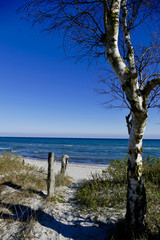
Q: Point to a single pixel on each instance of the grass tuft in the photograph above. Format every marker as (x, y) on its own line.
(14, 172)
(28, 180)
(62, 180)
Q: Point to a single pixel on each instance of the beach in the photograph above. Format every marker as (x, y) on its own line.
(74, 170)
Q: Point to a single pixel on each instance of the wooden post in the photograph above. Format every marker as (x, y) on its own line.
(64, 163)
(51, 177)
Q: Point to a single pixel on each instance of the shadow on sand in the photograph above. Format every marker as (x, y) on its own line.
(75, 230)
(17, 187)
(81, 229)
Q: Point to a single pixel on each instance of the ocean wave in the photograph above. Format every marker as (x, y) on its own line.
(19, 147)
(122, 147)
(40, 153)
(4, 148)
(151, 148)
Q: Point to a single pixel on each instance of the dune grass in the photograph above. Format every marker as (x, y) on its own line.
(110, 188)
(14, 171)
(28, 179)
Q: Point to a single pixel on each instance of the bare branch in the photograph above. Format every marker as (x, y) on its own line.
(113, 91)
(112, 34)
(127, 39)
(129, 122)
(150, 86)
(87, 26)
(150, 76)
(154, 98)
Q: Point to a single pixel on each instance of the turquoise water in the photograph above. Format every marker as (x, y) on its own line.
(89, 151)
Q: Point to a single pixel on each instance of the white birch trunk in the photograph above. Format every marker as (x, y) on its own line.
(136, 197)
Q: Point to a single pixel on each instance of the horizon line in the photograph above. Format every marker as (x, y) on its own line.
(110, 138)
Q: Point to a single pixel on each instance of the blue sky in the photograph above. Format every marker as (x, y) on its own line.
(42, 93)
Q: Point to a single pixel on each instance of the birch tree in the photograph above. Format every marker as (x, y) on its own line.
(103, 28)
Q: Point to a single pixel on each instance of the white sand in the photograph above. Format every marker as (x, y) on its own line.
(76, 171)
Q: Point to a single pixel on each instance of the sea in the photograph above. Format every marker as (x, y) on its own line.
(79, 150)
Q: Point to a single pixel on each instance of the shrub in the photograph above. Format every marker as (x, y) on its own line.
(151, 170)
(107, 189)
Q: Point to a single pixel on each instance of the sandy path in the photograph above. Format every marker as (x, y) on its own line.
(67, 221)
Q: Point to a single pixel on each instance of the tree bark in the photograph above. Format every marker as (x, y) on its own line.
(136, 196)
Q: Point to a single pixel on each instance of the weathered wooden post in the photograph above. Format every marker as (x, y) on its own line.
(64, 163)
(51, 177)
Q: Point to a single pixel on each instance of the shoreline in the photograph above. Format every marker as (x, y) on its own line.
(77, 171)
